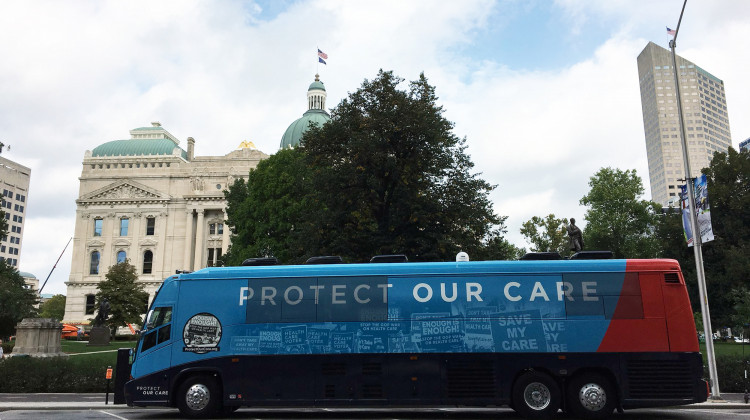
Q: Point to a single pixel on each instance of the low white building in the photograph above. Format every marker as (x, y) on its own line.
(150, 201)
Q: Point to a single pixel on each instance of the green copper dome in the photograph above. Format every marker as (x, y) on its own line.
(138, 147)
(317, 85)
(296, 129)
(316, 113)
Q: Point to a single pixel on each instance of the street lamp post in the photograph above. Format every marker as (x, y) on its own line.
(697, 249)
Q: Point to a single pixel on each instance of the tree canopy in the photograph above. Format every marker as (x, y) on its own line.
(126, 297)
(385, 175)
(16, 300)
(267, 213)
(617, 218)
(548, 234)
(54, 307)
(726, 261)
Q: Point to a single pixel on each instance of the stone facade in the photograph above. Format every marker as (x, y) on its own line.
(148, 200)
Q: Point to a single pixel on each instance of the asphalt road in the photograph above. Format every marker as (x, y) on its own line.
(380, 414)
(91, 406)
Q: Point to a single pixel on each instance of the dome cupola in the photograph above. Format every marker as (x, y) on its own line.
(316, 113)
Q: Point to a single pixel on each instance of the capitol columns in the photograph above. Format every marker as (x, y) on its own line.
(199, 234)
(187, 263)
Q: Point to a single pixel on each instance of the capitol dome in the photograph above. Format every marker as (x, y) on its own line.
(144, 141)
(316, 113)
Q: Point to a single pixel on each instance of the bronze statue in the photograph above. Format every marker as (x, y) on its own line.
(103, 314)
(575, 237)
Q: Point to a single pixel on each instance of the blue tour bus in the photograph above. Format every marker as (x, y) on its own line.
(584, 336)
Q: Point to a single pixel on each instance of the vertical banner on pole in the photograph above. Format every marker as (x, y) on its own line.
(702, 210)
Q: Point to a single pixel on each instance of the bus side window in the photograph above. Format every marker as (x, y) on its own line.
(164, 334)
(149, 341)
(159, 326)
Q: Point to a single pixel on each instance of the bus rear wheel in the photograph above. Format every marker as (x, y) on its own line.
(591, 396)
(536, 395)
(198, 397)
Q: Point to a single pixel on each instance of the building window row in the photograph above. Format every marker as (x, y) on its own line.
(130, 165)
(9, 194)
(124, 226)
(11, 261)
(95, 260)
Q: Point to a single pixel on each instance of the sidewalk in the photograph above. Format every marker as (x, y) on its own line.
(96, 401)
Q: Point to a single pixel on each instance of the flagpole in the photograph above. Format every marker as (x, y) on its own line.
(697, 248)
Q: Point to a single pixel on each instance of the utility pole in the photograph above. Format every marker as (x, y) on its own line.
(697, 249)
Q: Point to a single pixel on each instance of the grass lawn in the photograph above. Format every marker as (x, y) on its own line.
(75, 347)
(82, 353)
(728, 348)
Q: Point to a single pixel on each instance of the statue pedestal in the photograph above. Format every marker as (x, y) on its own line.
(99, 336)
(38, 337)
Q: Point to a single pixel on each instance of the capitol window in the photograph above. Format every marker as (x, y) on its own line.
(94, 266)
(150, 225)
(90, 304)
(148, 259)
(121, 257)
(124, 226)
(98, 227)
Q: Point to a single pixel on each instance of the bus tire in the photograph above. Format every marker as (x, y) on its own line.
(198, 397)
(591, 396)
(536, 395)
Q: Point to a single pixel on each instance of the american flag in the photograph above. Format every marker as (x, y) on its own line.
(669, 32)
(322, 55)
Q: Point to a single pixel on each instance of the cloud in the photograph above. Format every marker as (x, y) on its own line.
(222, 72)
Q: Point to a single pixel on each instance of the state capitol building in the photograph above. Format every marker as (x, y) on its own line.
(151, 201)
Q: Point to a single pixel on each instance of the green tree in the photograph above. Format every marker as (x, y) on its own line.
(386, 175)
(726, 265)
(617, 218)
(267, 212)
(390, 176)
(126, 297)
(16, 300)
(726, 261)
(53, 308)
(547, 234)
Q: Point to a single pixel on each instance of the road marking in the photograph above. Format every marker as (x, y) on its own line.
(113, 415)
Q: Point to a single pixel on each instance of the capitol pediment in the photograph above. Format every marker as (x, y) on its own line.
(125, 190)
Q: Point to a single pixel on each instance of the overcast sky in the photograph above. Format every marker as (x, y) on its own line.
(545, 92)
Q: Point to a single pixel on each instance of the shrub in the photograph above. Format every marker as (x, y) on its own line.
(731, 372)
(73, 374)
(8, 347)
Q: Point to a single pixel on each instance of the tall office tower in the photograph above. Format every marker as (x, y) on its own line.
(706, 119)
(745, 145)
(15, 185)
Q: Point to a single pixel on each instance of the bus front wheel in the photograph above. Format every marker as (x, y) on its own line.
(591, 396)
(198, 397)
(536, 395)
